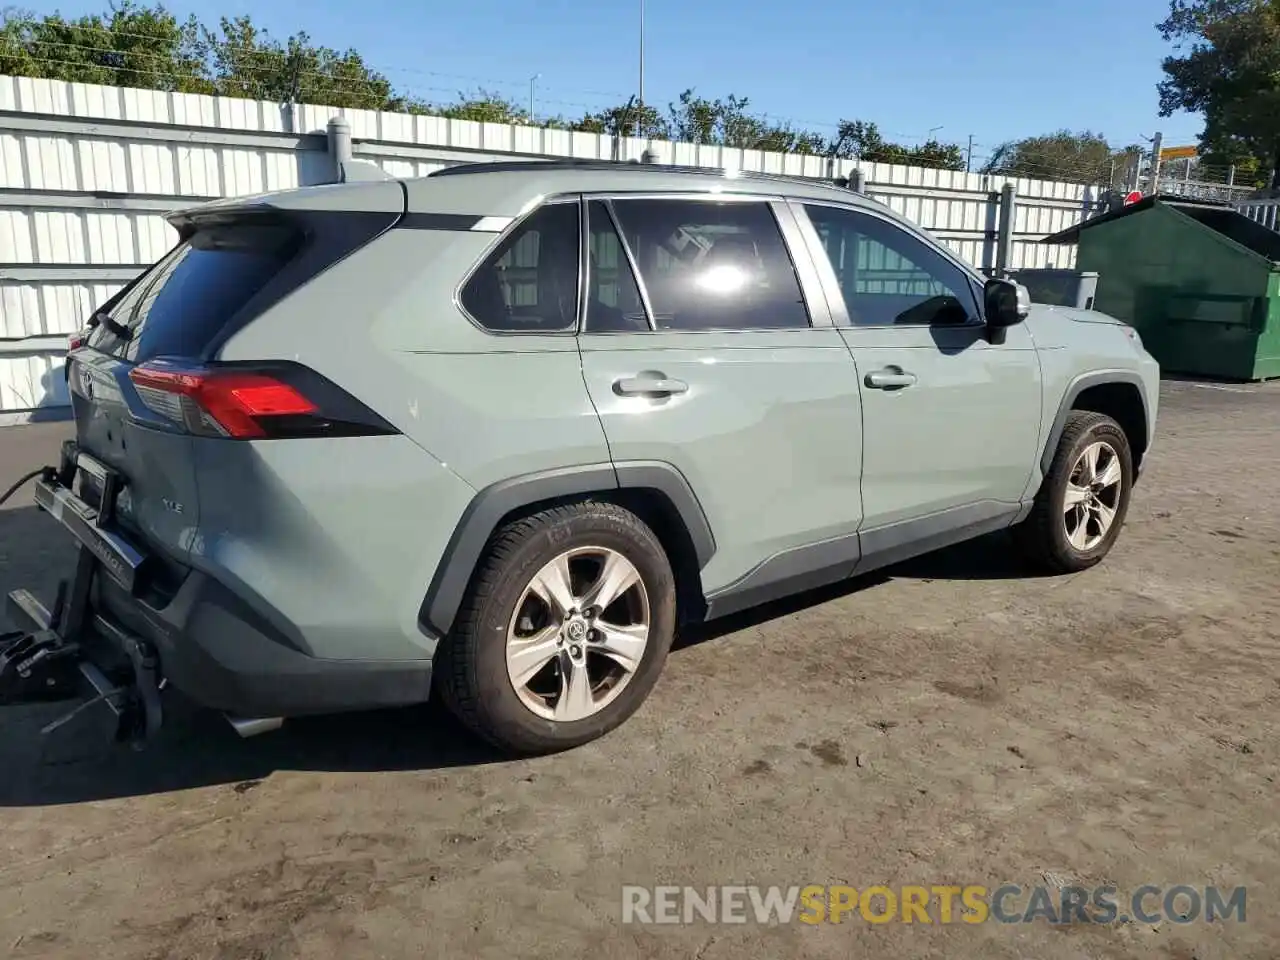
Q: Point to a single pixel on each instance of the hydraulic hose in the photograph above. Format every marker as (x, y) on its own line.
(26, 478)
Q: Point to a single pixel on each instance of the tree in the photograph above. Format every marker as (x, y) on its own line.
(630, 119)
(1083, 157)
(1227, 67)
(247, 62)
(483, 106)
(859, 140)
(133, 46)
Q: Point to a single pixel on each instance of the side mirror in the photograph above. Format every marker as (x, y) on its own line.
(1004, 303)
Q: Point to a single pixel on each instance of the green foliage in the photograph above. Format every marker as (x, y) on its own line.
(243, 61)
(1083, 157)
(1227, 67)
(131, 46)
(630, 119)
(863, 141)
(482, 106)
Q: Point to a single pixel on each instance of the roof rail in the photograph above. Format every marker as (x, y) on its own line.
(508, 166)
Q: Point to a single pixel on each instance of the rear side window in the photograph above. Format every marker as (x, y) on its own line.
(614, 304)
(178, 307)
(529, 284)
(709, 265)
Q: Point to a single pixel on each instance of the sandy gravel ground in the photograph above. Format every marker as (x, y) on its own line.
(952, 721)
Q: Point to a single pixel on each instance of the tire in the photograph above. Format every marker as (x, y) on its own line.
(477, 678)
(1045, 536)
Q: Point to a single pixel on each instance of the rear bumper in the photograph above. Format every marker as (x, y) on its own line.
(209, 643)
(220, 654)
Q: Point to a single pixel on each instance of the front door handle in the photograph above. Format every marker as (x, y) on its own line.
(649, 385)
(890, 378)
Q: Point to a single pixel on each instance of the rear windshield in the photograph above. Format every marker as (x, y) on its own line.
(181, 304)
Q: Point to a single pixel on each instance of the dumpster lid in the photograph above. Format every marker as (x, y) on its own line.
(1218, 217)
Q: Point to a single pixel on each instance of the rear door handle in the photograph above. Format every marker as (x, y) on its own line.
(890, 378)
(649, 385)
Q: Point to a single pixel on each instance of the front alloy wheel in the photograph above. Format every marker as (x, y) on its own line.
(1081, 504)
(1093, 496)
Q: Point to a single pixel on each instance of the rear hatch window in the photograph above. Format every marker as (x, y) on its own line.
(178, 308)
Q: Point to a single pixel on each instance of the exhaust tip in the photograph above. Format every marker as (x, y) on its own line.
(253, 726)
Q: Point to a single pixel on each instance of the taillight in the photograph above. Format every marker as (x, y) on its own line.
(75, 342)
(248, 404)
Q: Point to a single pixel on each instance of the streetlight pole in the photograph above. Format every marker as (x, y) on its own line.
(642, 55)
(533, 86)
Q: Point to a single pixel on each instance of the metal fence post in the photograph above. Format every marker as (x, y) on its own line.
(1004, 238)
(339, 145)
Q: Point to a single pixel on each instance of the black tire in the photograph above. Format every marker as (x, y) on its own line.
(1042, 536)
(471, 663)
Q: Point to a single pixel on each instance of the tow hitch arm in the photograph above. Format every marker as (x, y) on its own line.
(73, 653)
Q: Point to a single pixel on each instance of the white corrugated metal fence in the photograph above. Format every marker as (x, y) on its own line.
(86, 173)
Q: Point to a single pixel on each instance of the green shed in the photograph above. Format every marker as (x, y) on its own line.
(1200, 282)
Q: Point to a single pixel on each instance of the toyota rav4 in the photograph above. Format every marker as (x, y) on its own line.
(499, 431)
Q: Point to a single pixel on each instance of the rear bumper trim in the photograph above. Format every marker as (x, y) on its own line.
(119, 559)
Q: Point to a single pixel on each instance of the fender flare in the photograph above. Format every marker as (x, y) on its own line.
(1078, 386)
(490, 505)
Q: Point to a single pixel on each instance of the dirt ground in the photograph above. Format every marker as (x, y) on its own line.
(953, 721)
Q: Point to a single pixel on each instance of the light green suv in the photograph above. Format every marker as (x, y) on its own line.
(499, 431)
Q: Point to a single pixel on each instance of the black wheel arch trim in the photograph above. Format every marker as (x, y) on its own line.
(490, 505)
(1078, 386)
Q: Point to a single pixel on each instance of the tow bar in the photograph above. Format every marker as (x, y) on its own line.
(72, 653)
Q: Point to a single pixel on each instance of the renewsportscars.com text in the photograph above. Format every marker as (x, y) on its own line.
(931, 904)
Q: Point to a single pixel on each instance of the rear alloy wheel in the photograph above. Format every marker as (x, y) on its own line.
(564, 631)
(578, 634)
(1083, 500)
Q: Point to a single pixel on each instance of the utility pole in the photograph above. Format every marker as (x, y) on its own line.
(968, 156)
(642, 56)
(1156, 143)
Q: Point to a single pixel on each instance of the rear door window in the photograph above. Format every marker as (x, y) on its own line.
(713, 265)
(180, 306)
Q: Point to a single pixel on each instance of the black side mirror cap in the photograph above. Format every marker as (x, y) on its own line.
(1005, 303)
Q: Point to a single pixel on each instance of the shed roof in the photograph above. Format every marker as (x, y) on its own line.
(1218, 217)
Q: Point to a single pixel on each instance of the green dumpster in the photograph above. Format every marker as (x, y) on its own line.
(1200, 282)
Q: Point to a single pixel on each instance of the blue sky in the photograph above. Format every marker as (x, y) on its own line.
(998, 70)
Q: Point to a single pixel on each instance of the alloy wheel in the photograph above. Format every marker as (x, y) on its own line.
(1093, 494)
(578, 633)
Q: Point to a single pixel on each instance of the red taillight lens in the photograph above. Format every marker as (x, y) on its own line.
(230, 403)
(75, 341)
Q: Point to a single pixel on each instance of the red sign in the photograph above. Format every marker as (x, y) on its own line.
(1132, 197)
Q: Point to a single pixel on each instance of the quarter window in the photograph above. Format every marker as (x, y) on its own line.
(529, 284)
(712, 265)
(889, 277)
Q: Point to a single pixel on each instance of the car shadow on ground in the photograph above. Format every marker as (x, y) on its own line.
(197, 748)
(990, 557)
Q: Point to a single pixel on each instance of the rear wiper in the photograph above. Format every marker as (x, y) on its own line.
(115, 329)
